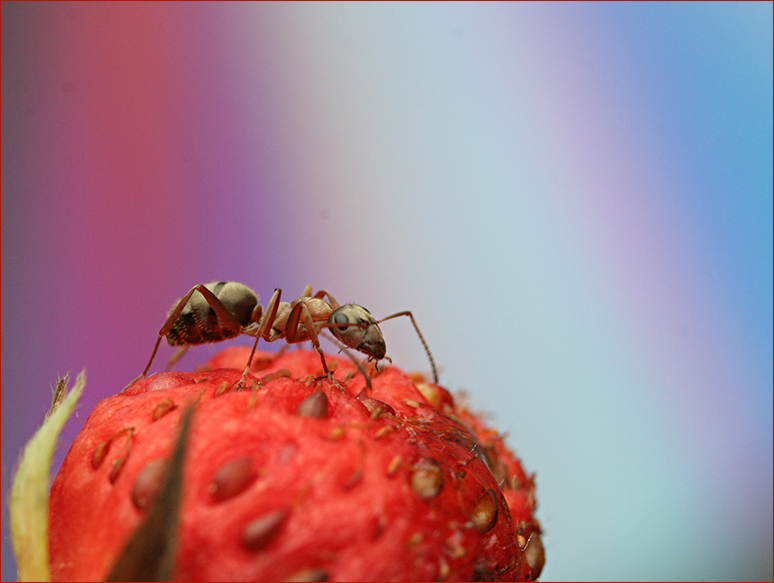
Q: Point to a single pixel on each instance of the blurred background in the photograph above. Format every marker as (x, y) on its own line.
(575, 200)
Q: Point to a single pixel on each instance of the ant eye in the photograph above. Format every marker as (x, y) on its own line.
(341, 320)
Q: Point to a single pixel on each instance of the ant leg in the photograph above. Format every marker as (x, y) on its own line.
(354, 360)
(223, 314)
(331, 300)
(291, 333)
(142, 375)
(262, 331)
(176, 356)
(422, 338)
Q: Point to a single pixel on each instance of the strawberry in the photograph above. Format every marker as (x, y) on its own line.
(297, 478)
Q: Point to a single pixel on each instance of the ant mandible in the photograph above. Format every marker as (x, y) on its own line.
(225, 309)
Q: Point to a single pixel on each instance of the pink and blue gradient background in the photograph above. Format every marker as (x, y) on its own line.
(574, 199)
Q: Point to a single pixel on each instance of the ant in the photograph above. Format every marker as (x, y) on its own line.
(226, 309)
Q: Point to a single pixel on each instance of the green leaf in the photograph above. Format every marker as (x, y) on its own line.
(29, 493)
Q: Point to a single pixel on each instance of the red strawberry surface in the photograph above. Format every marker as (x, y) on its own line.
(298, 478)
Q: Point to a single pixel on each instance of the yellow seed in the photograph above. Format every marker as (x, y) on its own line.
(283, 372)
(315, 405)
(535, 555)
(261, 531)
(414, 540)
(386, 430)
(118, 464)
(484, 515)
(500, 472)
(99, 454)
(454, 545)
(148, 483)
(233, 479)
(427, 479)
(357, 475)
(337, 433)
(430, 393)
(308, 575)
(416, 377)
(393, 466)
(162, 408)
(443, 569)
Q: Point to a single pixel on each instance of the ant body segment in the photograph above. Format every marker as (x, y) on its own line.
(221, 310)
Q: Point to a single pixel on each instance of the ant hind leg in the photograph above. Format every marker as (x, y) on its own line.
(176, 356)
(262, 331)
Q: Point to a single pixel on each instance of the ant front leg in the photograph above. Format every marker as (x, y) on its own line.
(226, 318)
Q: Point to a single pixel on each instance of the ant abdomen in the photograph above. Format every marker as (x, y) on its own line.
(199, 324)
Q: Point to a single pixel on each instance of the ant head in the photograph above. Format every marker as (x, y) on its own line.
(357, 328)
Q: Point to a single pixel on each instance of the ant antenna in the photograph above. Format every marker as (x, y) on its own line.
(422, 338)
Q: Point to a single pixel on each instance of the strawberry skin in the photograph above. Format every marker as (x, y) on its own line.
(295, 478)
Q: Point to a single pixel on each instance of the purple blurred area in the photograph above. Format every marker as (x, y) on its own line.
(575, 201)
